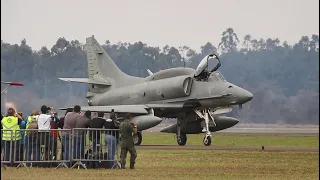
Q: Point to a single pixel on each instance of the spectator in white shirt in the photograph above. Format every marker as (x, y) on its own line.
(44, 120)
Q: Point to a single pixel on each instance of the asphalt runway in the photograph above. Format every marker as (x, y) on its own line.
(212, 147)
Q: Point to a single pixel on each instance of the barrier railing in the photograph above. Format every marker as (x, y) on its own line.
(85, 147)
(6, 146)
(101, 146)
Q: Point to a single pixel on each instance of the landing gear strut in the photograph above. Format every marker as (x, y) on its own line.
(206, 114)
(137, 139)
(181, 137)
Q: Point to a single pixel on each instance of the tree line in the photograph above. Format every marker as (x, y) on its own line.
(283, 78)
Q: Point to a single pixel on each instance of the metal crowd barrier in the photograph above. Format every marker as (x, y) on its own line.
(6, 156)
(85, 147)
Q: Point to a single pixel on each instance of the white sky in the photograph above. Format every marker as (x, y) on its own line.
(155, 22)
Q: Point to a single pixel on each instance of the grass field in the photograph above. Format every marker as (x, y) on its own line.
(201, 164)
(192, 164)
(236, 140)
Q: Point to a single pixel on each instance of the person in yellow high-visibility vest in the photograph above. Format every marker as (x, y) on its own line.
(11, 134)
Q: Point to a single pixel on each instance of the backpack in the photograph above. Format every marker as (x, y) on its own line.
(34, 126)
(96, 164)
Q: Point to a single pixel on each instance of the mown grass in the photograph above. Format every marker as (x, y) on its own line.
(235, 140)
(192, 164)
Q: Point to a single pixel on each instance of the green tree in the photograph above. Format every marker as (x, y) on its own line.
(229, 41)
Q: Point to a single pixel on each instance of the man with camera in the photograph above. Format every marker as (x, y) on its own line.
(54, 133)
(11, 132)
(44, 126)
(112, 136)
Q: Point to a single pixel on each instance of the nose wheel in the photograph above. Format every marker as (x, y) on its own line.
(206, 115)
(207, 140)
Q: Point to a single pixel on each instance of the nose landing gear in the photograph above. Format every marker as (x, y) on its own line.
(206, 114)
(207, 140)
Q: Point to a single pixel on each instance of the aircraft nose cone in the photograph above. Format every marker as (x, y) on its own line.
(249, 96)
(245, 96)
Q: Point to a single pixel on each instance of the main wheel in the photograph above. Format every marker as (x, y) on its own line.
(137, 139)
(183, 139)
(207, 141)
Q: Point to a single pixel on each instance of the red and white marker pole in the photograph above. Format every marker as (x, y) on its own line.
(10, 84)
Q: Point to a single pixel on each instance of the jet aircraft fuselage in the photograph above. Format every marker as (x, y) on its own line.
(193, 96)
(183, 88)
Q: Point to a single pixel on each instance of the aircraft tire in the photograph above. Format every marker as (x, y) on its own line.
(207, 142)
(137, 139)
(183, 139)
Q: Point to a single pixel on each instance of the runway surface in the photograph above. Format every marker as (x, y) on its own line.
(212, 147)
(248, 132)
(273, 130)
(256, 130)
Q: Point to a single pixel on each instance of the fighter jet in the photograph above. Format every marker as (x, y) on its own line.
(194, 96)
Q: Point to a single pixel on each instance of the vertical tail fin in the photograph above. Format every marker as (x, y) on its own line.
(102, 67)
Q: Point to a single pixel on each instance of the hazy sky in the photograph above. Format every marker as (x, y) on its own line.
(155, 22)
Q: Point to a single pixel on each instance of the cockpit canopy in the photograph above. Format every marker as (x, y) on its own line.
(216, 76)
(202, 72)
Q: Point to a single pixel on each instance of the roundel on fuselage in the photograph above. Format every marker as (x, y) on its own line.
(158, 90)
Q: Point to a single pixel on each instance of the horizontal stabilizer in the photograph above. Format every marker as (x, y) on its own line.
(86, 80)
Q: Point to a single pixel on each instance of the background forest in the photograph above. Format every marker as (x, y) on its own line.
(283, 78)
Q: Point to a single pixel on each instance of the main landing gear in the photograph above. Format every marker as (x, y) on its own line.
(182, 140)
(203, 114)
(181, 137)
(137, 138)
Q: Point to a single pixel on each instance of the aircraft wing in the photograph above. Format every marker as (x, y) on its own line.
(166, 105)
(118, 108)
(136, 109)
(86, 80)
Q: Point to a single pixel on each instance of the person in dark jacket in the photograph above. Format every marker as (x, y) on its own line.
(22, 141)
(54, 135)
(94, 135)
(113, 117)
(112, 135)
